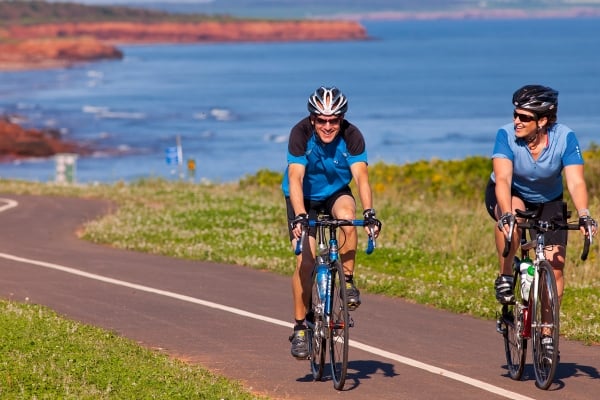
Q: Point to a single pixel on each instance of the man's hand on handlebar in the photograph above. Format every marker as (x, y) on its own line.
(300, 221)
(371, 221)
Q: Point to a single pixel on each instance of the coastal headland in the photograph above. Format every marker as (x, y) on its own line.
(63, 44)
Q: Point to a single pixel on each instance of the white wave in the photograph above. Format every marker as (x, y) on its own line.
(95, 74)
(221, 114)
(17, 119)
(94, 109)
(107, 113)
(121, 115)
(270, 137)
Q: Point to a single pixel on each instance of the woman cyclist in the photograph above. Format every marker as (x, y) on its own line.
(529, 158)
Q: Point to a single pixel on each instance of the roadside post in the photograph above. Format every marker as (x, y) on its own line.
(191, 167)
(66, 168)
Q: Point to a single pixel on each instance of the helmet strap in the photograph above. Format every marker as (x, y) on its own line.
(532, 137)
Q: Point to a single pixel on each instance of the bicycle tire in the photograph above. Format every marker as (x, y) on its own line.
(318, 339)
(545, 317)
(339, 328)
(515, 346)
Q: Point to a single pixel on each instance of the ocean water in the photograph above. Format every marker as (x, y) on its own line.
(418, 90)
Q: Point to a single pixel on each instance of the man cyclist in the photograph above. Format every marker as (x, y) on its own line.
(529, 158)
(325, 152)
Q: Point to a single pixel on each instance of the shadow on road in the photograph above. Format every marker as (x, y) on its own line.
(564, 371)
(357, 371)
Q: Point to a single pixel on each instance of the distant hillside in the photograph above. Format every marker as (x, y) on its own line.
(16, 12)
(336, 8)
(43, 34)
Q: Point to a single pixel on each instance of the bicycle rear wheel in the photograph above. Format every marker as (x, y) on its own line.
(318, 340)
(545, 327)
(515, 345)
(338, 328)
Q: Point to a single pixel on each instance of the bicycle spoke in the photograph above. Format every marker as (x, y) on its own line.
(545, 327)
(338, 330)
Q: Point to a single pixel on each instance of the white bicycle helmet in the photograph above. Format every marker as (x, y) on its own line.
(327, 101)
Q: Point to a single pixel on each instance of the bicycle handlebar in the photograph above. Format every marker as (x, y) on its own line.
(536, 224)
(336, 223)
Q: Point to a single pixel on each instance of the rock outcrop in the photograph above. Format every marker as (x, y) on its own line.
(37, 53)
(17, 142)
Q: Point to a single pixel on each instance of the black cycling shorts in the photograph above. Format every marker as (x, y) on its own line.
(551, 209)
(314, 207)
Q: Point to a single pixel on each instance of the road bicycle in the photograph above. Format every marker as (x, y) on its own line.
(537, 316)
(328, 319)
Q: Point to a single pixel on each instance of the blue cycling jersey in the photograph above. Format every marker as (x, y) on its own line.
(327, 165)
(538, 181)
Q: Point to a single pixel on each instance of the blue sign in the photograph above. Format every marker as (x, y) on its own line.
(172, 155)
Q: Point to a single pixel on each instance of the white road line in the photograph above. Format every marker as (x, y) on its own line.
(9, 204)
(373, 350)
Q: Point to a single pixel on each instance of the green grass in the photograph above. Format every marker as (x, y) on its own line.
(45, 356)
(436, 246)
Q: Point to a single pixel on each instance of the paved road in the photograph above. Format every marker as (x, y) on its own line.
(235, 320)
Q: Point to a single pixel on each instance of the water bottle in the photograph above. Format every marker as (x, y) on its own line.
(527, 270)
(322, 275)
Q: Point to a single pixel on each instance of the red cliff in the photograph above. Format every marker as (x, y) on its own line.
(17, 142)
(49, 45)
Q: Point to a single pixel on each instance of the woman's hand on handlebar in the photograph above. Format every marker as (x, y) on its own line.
(588, 225)
(372, 225)
(506, 224)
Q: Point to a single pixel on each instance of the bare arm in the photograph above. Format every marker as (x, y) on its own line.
(578, 190)
(296, 177)
(503, 171)
(361, 177)
(577, 187)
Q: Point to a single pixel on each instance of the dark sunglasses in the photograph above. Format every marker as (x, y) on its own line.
(323, 121)
(523, 117)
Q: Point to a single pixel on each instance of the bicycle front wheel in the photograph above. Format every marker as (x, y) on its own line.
(339, 327)
(515, 345)
(318, 338)
(545, 327)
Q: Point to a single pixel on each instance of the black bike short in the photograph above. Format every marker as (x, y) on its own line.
(315, 207)
(551, 209)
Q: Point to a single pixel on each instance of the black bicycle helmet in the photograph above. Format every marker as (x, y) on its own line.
(540, 100)
(327, 101)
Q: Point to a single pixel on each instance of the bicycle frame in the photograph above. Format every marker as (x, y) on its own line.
(329, 321)
(537, 316)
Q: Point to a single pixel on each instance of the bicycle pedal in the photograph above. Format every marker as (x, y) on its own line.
(351, 322)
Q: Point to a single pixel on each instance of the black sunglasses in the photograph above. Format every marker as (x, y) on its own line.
(333, 121)
(523, 117)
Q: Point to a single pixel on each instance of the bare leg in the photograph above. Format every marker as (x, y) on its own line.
(301, 279)
(345, 208)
